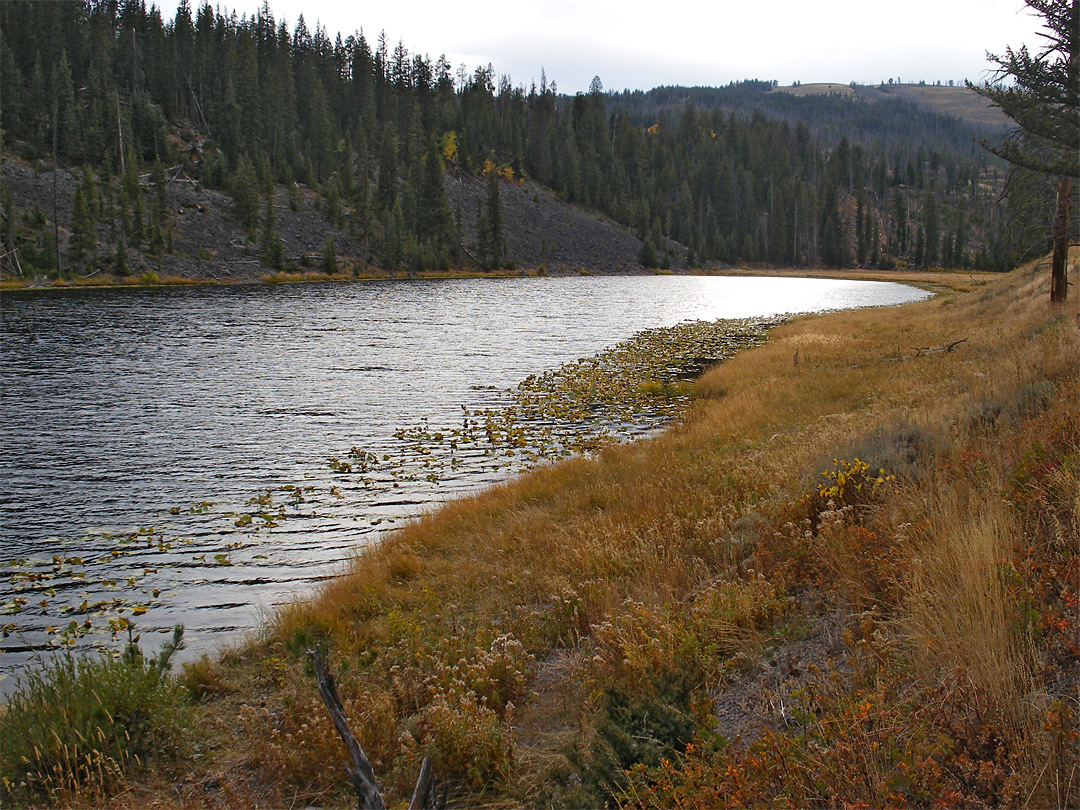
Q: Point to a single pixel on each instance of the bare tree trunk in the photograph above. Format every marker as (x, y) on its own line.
(363, 777)
(1059, 276)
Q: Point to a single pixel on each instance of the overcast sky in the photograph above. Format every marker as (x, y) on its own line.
(639, 45)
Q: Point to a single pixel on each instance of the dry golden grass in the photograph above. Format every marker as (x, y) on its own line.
(651, 572)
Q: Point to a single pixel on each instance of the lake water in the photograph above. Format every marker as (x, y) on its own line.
(166, 453)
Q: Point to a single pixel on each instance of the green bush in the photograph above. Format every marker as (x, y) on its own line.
(76, 728)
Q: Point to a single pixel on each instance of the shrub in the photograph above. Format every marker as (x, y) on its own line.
(467, 741)
(76, 728)
(650, 665)
(639, 728)
(848, 484)
(905, 449)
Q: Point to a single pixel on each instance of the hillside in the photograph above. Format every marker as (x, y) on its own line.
(290, 138)
(209, 244)
(957, 102)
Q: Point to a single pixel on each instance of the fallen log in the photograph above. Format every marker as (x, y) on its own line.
(921, 350)
(471, 255)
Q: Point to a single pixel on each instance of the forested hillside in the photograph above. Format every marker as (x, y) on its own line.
(366, 133)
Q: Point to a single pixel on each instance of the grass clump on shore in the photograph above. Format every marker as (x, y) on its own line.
(79, 729)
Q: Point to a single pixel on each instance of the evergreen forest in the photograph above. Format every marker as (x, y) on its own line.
(742, 174)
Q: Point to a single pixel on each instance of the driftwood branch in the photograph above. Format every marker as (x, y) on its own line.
(12, 258)
(363, 776)
(422, 792)
(921, 350)
(471, 255)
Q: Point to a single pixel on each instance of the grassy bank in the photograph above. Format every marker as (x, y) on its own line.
(151, 279)
(848, 576)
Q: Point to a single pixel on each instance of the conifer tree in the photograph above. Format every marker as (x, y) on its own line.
(434, 220)
(329, 257)
(245, 194)
(388, 164)
(81, 225)
(393, 248)
(159, 210)
(647, 254)
(861, 245)
(834, 251)
(273, 253)
(64, 99)
(920, 248)
(1043, 98)
(491, 235)
(321, 133)
(120, 266)
(931, 230)
(495, 218)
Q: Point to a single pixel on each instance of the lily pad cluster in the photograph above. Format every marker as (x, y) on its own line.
(617, 395)
(97, 584)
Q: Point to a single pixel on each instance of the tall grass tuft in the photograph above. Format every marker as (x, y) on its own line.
(78, 728)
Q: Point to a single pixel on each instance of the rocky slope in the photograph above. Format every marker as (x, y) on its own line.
(210, 245)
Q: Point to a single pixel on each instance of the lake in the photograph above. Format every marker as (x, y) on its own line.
(178, 454)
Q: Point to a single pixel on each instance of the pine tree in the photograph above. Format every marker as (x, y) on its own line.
(1043, 97)
(494, 239)
(273, 253)
(834, 252)
(81, 225)
(321, 133)
(647, 254)
(394, 237)
(64, 101)
(120, 265)
(386, 192)
(245, 194)
(931, 230)
(434, 220)
(861, 230)
(329, 257)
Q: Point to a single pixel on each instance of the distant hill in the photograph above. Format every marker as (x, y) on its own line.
(959, 102)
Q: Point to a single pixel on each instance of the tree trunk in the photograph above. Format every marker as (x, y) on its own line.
(1059, 275)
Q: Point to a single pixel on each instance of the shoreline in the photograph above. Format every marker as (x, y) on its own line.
(934, 279)
(641, 384)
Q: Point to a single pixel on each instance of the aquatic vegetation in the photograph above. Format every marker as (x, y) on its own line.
(622, 393)
(80, 601)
